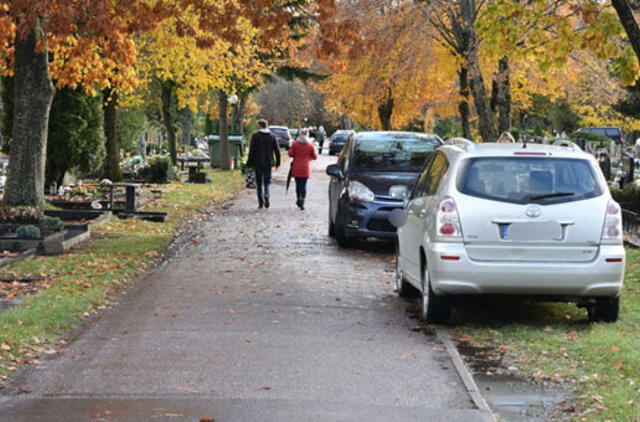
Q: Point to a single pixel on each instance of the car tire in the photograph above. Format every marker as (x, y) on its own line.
(403, 287)
(332, 227)
(341, 238)
(606, 309)
(433, 309)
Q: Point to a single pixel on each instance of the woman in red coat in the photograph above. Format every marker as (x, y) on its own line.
(302, 152)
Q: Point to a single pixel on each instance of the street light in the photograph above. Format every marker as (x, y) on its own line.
(232, 99)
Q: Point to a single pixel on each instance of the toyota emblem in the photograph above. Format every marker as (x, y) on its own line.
(533, 210)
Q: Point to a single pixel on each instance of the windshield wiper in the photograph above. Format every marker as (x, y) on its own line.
(551, 195)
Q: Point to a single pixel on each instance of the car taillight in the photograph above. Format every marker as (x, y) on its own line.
(287, 137)
(448, 220)
(331, 144)
(612, 230)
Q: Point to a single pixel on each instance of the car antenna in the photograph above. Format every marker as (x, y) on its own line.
(524, 143)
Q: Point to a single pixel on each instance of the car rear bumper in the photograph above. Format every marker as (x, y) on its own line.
(370, 219)
(577, 279)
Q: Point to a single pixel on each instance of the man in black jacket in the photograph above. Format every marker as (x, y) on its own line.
(263, 154)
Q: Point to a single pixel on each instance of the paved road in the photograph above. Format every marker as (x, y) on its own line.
(262, 318)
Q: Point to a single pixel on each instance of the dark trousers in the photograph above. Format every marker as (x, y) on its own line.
(301, 188)
(263, 180)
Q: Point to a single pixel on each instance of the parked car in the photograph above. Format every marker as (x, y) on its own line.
(374, 173)
(508, 219)
(293, 132)
(282, 136)
(613, 133)
(337, 141)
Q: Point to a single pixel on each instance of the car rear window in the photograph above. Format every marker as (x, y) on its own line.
(279, 132)
(393, 152)
(613, 132)
(523, 180)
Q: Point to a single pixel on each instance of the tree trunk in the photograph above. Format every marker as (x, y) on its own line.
(223, 132)
(34, 93)
(504, 95)
(385, 110)
(628, 21)
(463, 107)
(167, 93)
(186, 126)
(112, 161)
(239, 109)
(470, 55)
(485, 117)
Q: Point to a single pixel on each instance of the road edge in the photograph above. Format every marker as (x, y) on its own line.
(465, 375)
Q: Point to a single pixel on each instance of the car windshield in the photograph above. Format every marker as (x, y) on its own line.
(340, 137)
(393, 152)
(523, 180)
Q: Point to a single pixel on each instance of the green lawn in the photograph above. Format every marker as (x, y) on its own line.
(552, 341)
(79, 283)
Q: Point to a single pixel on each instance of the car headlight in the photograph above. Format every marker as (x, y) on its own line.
(359, 191)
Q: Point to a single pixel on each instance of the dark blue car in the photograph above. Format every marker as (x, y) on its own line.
(374, 173)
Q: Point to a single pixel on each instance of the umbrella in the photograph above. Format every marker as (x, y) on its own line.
(289, 176)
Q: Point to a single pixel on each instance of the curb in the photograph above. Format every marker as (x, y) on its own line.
(465, 375)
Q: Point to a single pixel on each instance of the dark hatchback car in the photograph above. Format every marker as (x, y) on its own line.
(337, 141)
(374, 174)
(613, 133)
(282, 136)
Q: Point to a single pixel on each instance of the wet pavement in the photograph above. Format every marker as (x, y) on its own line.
(261, 317)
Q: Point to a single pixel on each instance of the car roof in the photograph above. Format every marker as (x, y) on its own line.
(373, 134)
(598, 127)
(278, 127)
(508, 149)
(343, 131)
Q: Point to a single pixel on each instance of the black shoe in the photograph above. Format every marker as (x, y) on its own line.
(298, 202)
(260, 206)
(266, 201)
(302, 205)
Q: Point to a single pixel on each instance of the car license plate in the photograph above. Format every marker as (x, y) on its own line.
(534, 231)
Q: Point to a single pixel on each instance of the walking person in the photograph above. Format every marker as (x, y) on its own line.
(264, 154)
(302, 152)
(320, 136)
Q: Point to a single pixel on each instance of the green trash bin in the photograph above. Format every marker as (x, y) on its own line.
(236, 149)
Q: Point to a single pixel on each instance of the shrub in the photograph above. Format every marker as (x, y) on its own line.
(51, 224)
(28, 231)
(628, 197)
(159, 170)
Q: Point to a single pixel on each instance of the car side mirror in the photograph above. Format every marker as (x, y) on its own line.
(334, 171)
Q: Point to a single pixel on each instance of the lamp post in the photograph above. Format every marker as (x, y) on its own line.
(232, 100)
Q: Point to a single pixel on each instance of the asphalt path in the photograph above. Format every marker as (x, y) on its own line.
(260, 318)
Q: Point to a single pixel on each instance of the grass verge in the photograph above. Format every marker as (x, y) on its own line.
(554, 341)
(78, 283)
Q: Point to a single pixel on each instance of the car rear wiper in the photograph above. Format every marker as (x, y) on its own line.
(551, 195)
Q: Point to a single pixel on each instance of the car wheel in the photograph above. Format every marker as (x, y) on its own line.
(433, 309)
(332, 227)
(403, 287)
(606, 309)
(341, 237)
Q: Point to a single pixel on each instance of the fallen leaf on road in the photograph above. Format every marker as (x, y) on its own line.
(266, 387)
(5, 346)
(232, 311)
(207, 419)
(408, 355)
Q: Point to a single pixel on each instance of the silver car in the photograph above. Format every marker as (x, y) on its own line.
(511, 219)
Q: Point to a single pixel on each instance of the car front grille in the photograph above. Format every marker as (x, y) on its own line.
(380, 225)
